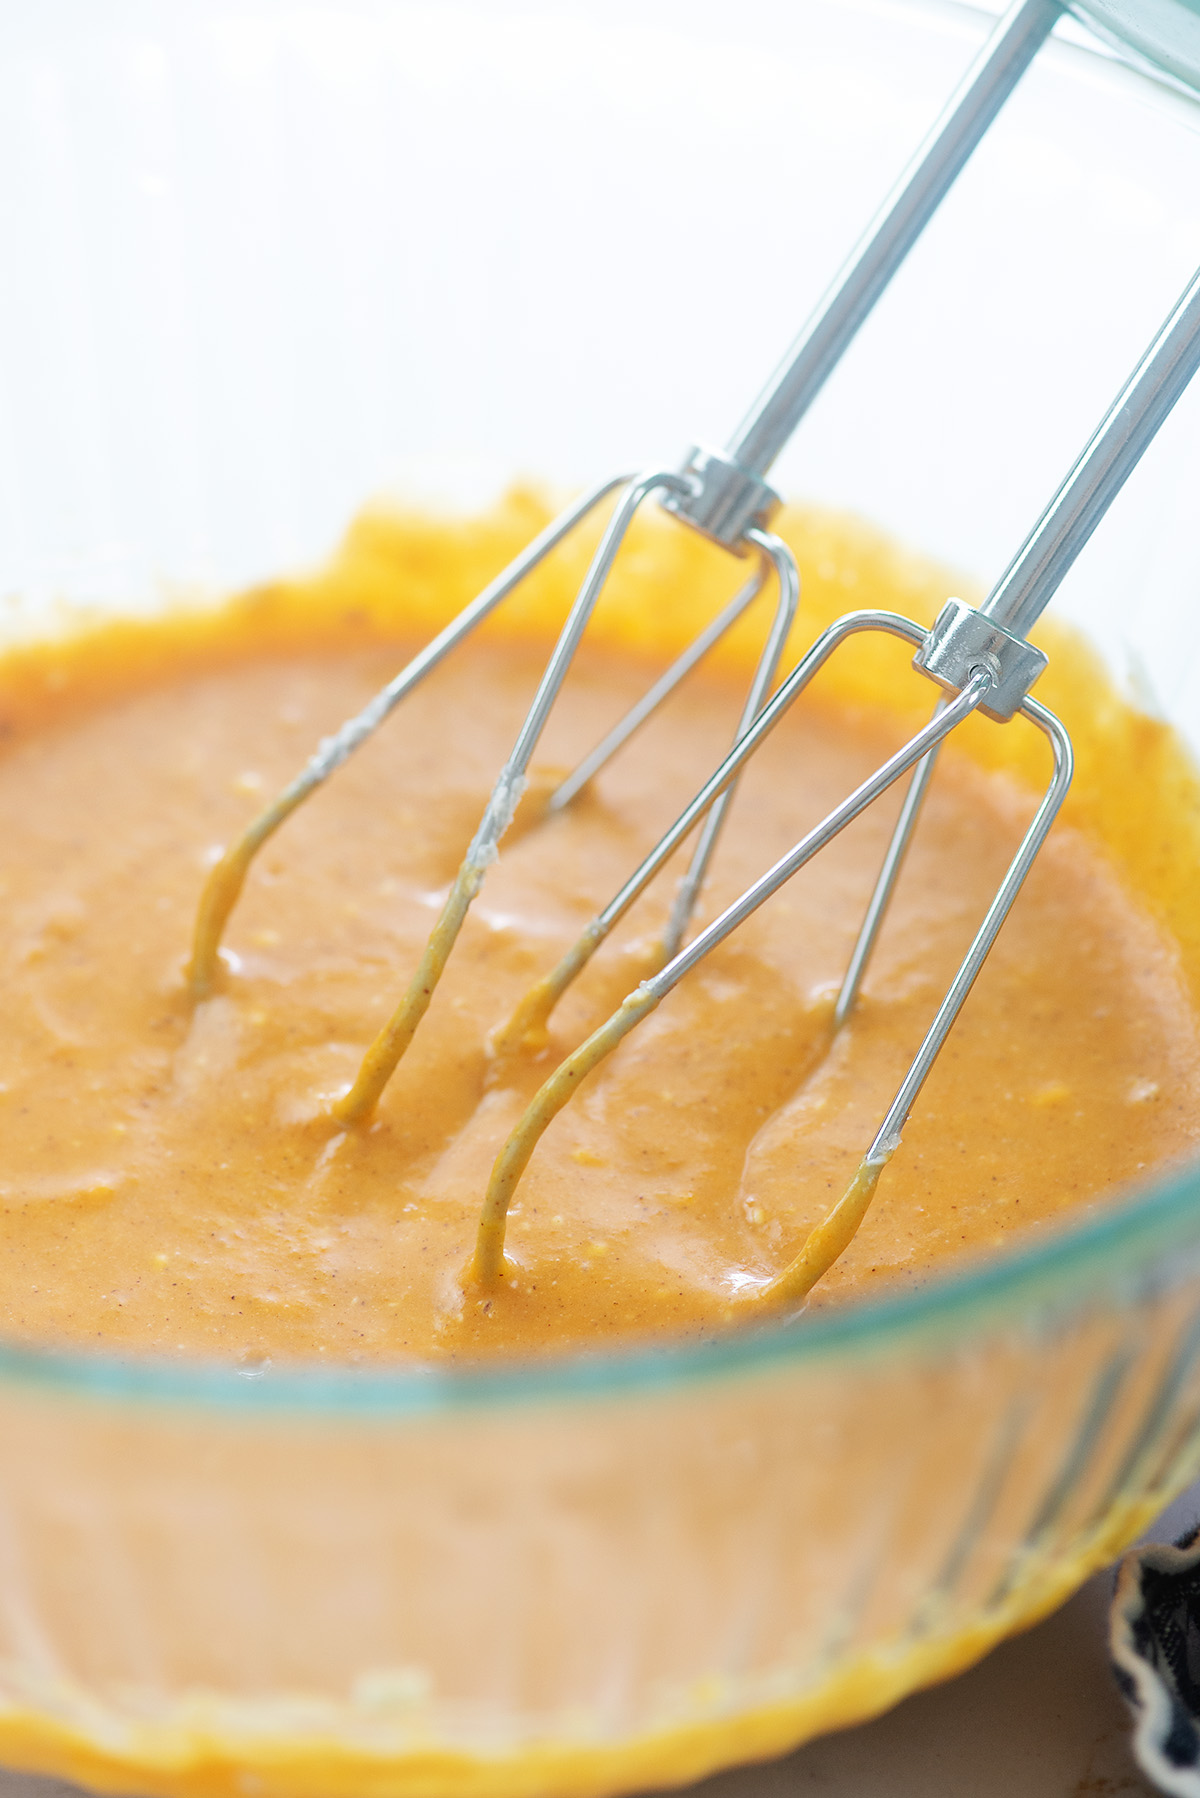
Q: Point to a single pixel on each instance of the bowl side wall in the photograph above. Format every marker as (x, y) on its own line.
(580, 1597)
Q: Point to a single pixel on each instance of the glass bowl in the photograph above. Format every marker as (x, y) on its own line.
(269, 260)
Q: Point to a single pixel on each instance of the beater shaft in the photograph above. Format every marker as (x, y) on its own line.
(1025, 588)
(989, 81)
(733, 492)
(1032, 577)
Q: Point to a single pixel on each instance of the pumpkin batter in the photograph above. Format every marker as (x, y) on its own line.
(172, 1179)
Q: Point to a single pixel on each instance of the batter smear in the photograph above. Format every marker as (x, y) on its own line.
(172, 1178)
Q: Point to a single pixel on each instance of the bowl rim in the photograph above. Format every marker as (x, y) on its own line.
(1131, 1248)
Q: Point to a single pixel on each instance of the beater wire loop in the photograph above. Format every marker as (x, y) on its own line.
(885, 884)
(788, 577)
(487, 1264)
(829, 1239)
(527, 1024)
(887, 1140)
(385, 1052)
(663, 687)
(227, 877)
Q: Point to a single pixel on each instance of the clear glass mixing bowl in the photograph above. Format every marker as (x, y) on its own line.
(266, 260)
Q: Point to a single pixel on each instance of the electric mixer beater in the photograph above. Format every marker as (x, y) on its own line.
(979, 657)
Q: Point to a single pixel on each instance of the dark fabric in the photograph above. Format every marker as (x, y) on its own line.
(1155, 1639)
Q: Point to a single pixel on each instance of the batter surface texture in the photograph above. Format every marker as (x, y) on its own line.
(171, 1180)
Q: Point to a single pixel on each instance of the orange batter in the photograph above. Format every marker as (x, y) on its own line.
(171, 1178)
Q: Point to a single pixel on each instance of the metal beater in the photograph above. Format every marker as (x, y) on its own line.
(724, 495)
(982, 658)
(978, 656)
